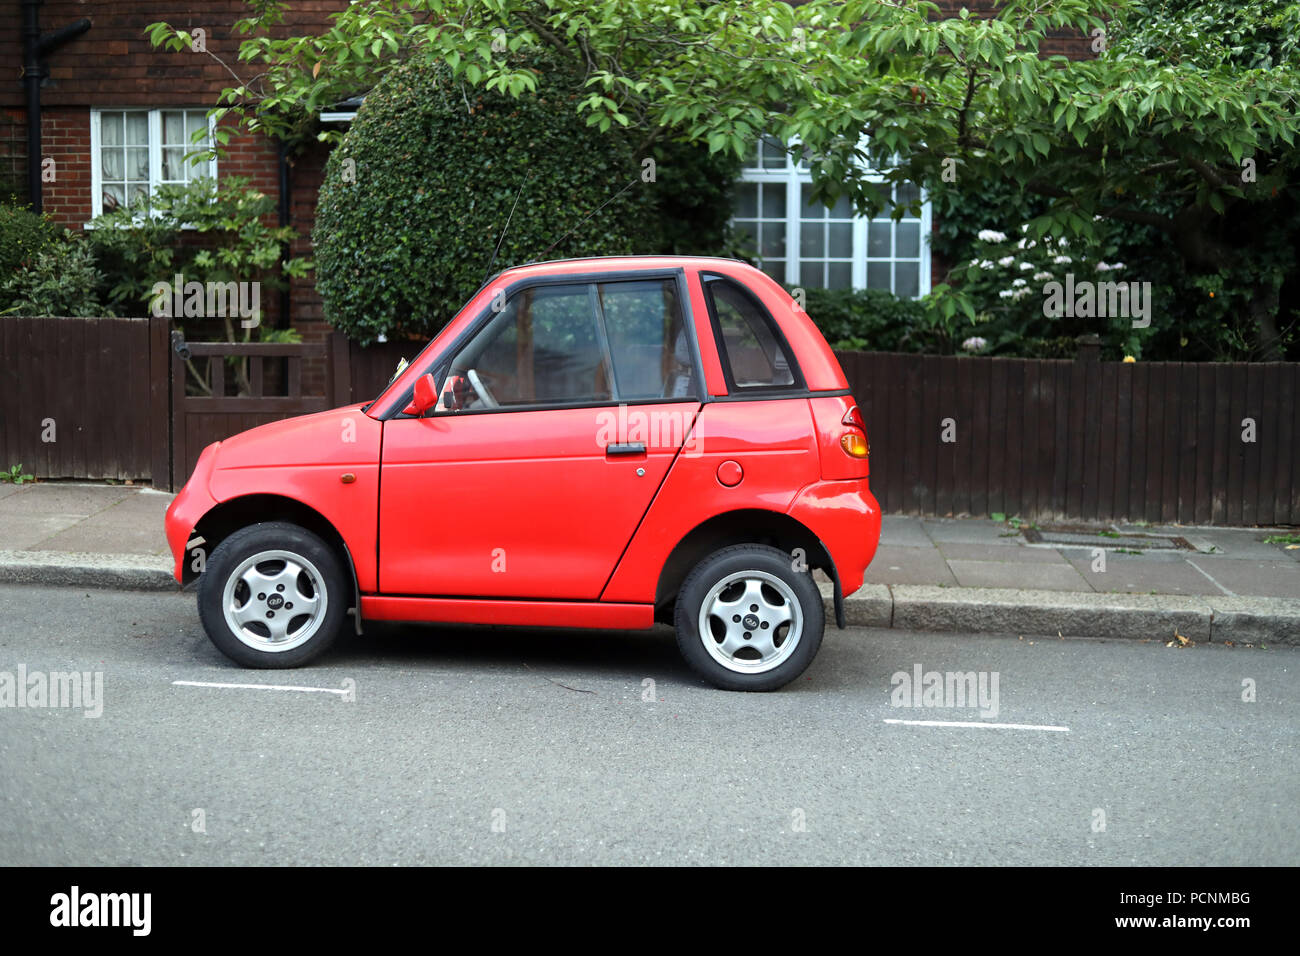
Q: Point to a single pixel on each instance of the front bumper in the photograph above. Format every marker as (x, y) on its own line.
(190, 504)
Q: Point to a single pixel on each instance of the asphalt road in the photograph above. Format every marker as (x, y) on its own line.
(537, 747)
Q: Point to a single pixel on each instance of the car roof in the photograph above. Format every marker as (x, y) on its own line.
(618, 264)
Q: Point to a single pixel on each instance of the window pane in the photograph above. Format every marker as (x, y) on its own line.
(908, 240)
(111, 160)
(749, 342)
(746, 235)
(173, 166)
(110, 129)
(812, 239)
(843, 209)
(878, 275)
(773, 240)
(908, 193)
(841, 239)
(811, 208)
(773, 201)
(746, 201)
(137, 164)
(878, 239)
(114, 196)
(542, 347)
(173, 127)
(775, 268)
(647, 340)
(907, 279)
(751, 156)
(196, 120)
(137, 129)
(773, 153)
(810, 275)
(839, 275)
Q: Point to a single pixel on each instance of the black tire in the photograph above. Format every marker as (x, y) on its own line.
(763, 564)
(313, 556)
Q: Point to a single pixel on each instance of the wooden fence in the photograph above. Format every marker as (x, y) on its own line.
(84, 398)
(1161, 442)
(1154, 441)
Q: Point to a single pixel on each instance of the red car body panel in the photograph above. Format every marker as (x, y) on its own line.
(536, 513)
(521, 517)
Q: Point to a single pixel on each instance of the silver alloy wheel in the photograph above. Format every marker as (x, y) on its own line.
(750, 622)
(275, 601)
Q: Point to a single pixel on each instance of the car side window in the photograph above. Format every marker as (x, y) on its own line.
(545, 347)
(647, 339)
(752, 349)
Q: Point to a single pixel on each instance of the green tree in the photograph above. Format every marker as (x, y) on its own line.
(1192, 138)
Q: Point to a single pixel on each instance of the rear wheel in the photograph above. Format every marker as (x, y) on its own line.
(747, 620)
(273, 595)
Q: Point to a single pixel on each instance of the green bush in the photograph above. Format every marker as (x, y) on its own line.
(416, 195)
(60, 280)
(872, 319)
(23, 234)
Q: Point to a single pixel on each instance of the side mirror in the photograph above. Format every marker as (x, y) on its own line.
(425, 397)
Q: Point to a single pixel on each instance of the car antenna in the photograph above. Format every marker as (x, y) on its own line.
(504, 229)
(584, 221)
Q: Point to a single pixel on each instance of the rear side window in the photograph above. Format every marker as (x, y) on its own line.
(754, 353)
(647, 340)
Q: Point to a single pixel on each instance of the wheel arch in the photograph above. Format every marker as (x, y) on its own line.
(743, 526)
(225, 518)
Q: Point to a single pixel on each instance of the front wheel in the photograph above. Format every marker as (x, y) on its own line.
(273, 595)
(747, 620)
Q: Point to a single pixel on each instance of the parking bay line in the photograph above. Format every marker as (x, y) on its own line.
(305, 690)
(977, 723)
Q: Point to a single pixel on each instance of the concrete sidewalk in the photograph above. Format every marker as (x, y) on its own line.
(937, 574)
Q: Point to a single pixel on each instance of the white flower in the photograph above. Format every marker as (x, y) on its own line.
(986, 264)
(1017, 283)
(1006, 260)
(1063, 241)
(1006, 293)
(1042, 276)
(974, 344)
(1020, 293)
(1026, 244)
(1026, 266)
(1062, 260)
(991, 235)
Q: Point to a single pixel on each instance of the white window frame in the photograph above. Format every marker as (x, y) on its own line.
(155, 148)
(795, 175)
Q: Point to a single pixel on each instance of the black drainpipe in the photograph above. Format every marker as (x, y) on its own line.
(35, 49)
(285, 217)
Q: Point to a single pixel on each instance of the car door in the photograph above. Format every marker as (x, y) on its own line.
(558, 419)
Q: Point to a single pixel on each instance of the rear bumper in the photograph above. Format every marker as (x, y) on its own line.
(845, 516)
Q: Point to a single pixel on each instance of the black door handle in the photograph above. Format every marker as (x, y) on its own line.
(626, 448)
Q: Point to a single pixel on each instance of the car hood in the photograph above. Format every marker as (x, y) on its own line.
(329, 437)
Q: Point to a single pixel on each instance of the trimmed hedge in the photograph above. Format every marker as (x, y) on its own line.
(416, 195)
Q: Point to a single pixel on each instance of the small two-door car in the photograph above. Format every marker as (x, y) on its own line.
(590, 443)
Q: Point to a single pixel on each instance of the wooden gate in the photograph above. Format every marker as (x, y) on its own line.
(274, 390)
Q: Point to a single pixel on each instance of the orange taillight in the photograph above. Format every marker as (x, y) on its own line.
(855, 445)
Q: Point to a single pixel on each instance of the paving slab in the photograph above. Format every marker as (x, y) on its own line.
(904, 531)
(28, 530)
(1002, 574)
(133, 525)
(1275, 578)
(59, 498)
(974, 530)
(894, 565)
(1013, 551)
(1143, 574)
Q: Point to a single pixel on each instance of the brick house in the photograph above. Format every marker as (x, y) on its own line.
(115, 113)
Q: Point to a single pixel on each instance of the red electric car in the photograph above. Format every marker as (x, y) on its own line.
(595, 443)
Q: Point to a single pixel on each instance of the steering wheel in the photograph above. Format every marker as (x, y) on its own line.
(480, 389)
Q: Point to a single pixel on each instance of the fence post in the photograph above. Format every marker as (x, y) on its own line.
(160, 403)
(340, 369)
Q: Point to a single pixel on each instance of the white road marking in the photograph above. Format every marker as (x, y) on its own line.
(306, 690)
(976, 723)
